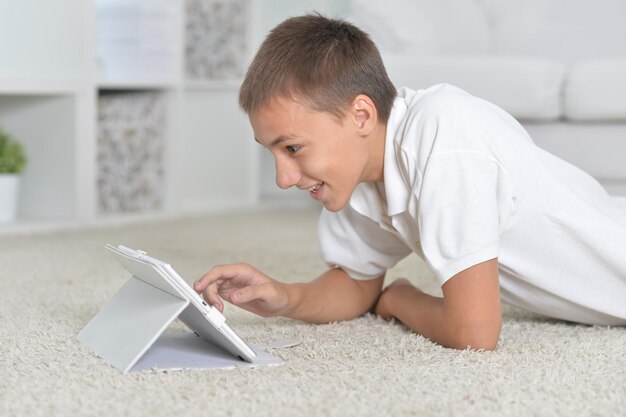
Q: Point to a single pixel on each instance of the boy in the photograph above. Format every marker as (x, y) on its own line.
(437, 172)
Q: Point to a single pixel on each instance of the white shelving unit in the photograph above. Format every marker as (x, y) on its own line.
(50, 83)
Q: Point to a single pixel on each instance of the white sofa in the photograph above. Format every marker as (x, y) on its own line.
(558, 66)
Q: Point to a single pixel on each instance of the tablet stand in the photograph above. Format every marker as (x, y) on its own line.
(128, 333)
(130, 323)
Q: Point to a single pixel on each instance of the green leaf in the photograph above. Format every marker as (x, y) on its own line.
(12, 155)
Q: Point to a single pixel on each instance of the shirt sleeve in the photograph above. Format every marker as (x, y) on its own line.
(465, 202)
(357, 244)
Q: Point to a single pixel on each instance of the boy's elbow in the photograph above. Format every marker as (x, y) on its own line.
(476, 336)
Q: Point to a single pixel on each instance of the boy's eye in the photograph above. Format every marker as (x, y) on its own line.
(293, 148)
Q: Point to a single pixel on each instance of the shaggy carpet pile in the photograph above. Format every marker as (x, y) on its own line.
(54, 283)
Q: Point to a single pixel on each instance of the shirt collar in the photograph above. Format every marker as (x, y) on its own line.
(365, 198)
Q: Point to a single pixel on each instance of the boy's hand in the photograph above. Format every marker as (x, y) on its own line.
(244, 286)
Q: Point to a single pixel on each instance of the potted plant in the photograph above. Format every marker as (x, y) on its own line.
(12, 163)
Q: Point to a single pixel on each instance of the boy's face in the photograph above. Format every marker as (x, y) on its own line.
(317, 152)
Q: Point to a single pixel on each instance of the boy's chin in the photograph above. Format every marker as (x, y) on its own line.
(335, 206)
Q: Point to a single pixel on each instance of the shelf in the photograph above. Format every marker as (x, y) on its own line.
(213, 85)
(138, 85)
(27, 226)
(39, 87)
(32, 226)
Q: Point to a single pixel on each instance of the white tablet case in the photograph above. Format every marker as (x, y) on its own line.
(131, 322)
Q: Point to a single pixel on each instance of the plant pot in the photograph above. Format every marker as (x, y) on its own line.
(9, 187)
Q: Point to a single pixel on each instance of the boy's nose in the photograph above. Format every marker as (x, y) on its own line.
(287, 175)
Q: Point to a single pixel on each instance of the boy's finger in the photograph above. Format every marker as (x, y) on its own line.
(250, 293)
(205, 280)
(212, 297)
(220, 272)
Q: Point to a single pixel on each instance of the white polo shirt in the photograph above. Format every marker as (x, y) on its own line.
(463, 184)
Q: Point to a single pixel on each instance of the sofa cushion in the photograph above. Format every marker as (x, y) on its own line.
(565, 30)
(596, 90)
(527, 88)
(597, 148)
(424, 26)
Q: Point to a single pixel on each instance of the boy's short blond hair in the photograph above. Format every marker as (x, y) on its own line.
(326, 62)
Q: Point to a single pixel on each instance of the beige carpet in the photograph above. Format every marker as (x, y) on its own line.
(52, 284)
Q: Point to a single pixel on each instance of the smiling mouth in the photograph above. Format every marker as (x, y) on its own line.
(316, 187)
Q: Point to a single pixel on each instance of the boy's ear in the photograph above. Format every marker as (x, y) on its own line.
(364, 113)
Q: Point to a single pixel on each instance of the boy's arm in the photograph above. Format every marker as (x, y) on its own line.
(333, 296)
(469, 313)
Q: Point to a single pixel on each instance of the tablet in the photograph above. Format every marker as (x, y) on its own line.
(204, 320)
